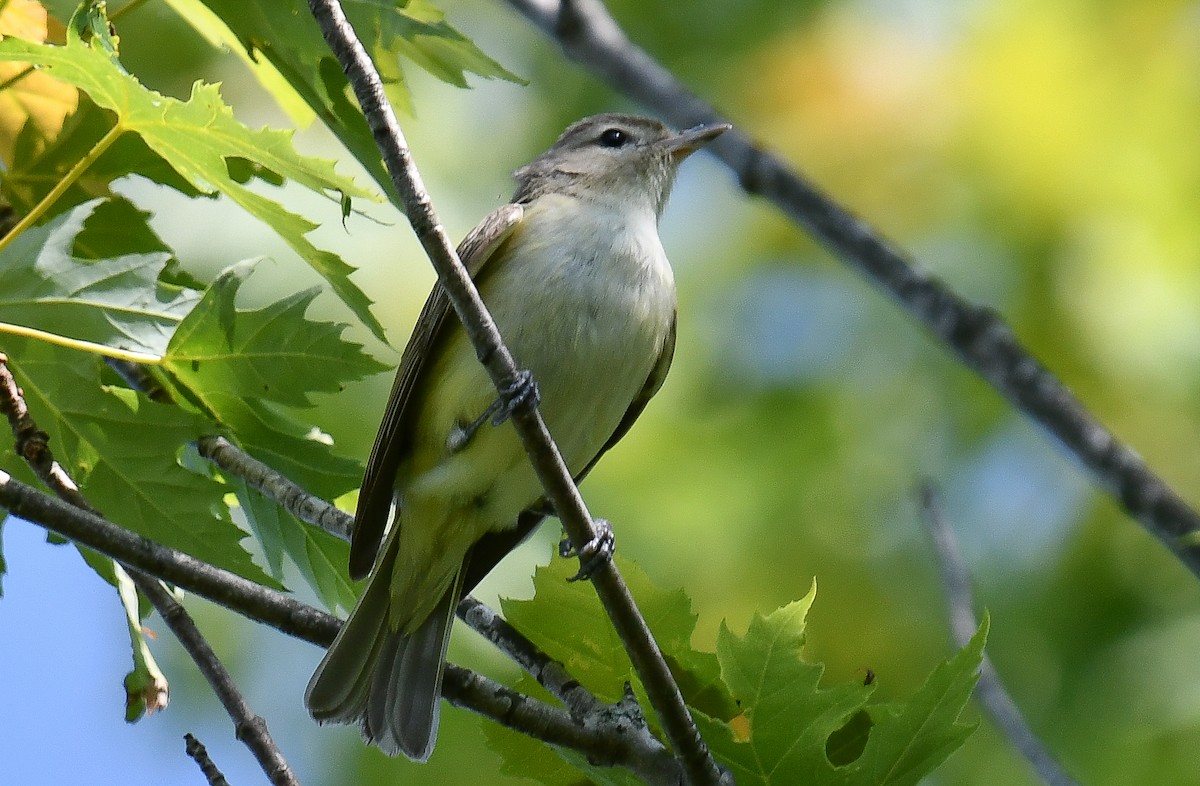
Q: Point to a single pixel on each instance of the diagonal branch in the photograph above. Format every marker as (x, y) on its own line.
(977, 335)
(549, 673)
(600, 737)
(990, 691)
(32, 444)
(555, 478)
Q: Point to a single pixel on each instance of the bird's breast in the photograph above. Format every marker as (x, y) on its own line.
(585, 298)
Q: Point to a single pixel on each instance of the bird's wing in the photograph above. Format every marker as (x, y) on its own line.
(391, 443)
(658, 375)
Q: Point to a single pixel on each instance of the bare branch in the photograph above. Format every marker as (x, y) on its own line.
(494, 355)
(613, 736)
(603, 737)
(549, 673)
(981, 339)
(199, 754)
(273, 485)
(990, 691)
(249, 727)
(33, 445)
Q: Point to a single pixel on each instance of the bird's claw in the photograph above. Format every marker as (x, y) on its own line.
(594, 554)
(523, 392)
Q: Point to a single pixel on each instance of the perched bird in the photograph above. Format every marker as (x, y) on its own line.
(576, 278)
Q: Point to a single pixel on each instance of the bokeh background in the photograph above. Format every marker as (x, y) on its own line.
(1042, 158)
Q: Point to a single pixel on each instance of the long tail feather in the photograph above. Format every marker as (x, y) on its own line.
(377, 677)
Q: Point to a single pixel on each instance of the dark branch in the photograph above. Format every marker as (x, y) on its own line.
(249, 727)
(273, 485)
(984, 343)
(194, 748)
(544, 455)
(990, 691)
(605, 737)
(33, 445)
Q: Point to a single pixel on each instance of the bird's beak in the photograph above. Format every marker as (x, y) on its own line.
(687, 142)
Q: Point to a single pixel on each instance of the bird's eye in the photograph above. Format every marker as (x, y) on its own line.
(614, 137)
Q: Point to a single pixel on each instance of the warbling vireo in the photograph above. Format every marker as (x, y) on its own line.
(576, 278)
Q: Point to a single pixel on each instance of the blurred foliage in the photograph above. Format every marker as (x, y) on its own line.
(1041, 158)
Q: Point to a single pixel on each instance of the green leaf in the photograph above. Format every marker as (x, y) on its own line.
(284, 34)
(118, 302)
(419, 31)
(115, 228)
(320, 557)
(197, 138)
(591, 649)
(799, 732)
(909, 740)
(242, 368)
(218, 34)
(271, 353)
(790, 718)
(123, 452)
(37, 170)
(567, 621)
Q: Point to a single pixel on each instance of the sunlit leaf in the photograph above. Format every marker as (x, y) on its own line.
(30, 102)
(118, 302)
(197, 138)
(284, 35)
(272, 353)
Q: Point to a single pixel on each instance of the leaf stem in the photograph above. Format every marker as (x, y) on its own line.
(60, 188)
(132, 356)
(17, 77)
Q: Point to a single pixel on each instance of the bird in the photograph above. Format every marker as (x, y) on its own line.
(575, 276)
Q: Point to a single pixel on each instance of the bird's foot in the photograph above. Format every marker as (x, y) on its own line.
(594, 554)
(522, 392)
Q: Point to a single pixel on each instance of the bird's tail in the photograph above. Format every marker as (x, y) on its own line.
(386, 681)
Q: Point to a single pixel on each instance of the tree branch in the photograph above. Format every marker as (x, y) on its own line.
(990, 690)
(550, 674)
(652, 762)
(494, 355)
(32, 444)
(199, 754)
(274, 485)
(603, 738)
(978, 336)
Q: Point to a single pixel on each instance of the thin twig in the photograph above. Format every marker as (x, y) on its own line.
(990, 690)
(552, 472)
(249, 727)
(981, 339)
(550, 674)
(199, 754)
(274, 485)
(605, 738)
(33, 445)
(608, 743)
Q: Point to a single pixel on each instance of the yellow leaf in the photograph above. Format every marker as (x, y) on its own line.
(27, 96)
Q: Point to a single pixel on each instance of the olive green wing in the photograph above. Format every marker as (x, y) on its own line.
(392, 441)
